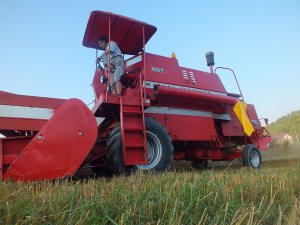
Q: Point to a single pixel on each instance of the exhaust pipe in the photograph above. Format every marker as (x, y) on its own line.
(210, 60)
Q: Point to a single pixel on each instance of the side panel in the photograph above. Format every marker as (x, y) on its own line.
(202, 80)
(166, 70)
(192, 128)
(186, 127)
(253, 116)
(232, 127)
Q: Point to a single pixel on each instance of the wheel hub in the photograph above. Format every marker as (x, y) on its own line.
(254, 158)
(154, 151)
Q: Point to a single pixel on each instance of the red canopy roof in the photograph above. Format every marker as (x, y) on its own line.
(127, 32)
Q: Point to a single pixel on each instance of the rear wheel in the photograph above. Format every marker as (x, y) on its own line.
(200, 164)
(252, 157)
(160, 149)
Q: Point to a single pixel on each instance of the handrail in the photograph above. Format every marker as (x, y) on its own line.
(109, 27)
(226, 68)
(143, 95)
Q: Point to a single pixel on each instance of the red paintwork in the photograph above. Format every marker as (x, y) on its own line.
(232, 127)
(133, 139)
(12, 147)
(193, 106)
(192, 128)
(23, 124)
(262, 141)
(127, 32)
(173, 74)
(7, 98)
(62, 149)
(187, 128)
(9, 150)
(99, 89)
(201, 96)
(251, 112)
(170, 85)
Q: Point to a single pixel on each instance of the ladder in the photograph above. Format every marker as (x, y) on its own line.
(133, 130)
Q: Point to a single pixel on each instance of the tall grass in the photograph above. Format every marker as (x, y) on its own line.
(216, 196)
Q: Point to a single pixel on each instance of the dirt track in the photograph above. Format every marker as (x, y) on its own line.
(292, 152)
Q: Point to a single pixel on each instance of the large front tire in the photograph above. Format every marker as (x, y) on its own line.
(160, 149)
(114, 154)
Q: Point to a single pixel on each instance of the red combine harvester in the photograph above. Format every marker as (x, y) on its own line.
(167, 112)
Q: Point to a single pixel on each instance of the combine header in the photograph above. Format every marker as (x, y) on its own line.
(167, 112)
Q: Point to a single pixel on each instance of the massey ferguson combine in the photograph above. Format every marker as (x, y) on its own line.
(167, 112)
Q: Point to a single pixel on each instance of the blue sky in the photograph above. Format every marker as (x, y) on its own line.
(41, 50)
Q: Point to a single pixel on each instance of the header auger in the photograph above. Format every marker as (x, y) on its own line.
(167, 112)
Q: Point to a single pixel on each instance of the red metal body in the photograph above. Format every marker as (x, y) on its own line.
(127, 32)
(46, 138)
(192, 105)
(47, 148)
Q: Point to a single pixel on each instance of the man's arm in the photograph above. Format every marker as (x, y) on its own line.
(104, 59)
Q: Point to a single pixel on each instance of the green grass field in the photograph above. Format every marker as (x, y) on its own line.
(220, 195)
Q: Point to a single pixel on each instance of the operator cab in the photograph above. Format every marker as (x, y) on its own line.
(131, 36)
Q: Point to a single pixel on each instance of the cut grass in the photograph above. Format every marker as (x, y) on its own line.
(216, 196)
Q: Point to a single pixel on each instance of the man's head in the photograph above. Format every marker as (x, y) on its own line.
(102, 42)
